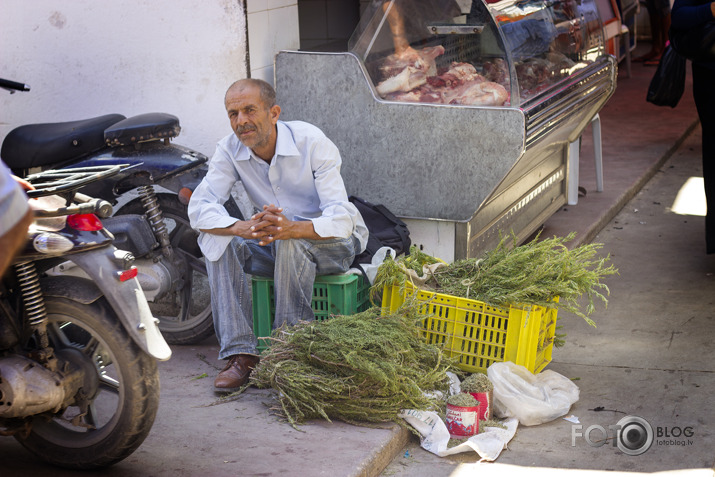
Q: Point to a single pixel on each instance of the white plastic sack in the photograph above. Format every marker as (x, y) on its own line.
(377, 259)
(532, 399)
(435, 436)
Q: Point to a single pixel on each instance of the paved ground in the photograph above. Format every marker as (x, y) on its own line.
(649, 356)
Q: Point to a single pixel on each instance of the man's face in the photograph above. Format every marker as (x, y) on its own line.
(253, 123)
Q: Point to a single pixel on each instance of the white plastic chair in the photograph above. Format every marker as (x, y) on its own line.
(573, 162)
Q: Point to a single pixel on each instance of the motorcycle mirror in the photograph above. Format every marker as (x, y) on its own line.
(13, 86)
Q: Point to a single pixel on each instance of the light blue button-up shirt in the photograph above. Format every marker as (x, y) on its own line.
(13, 201)
(303, 178)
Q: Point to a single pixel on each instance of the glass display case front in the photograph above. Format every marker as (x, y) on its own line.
(472, 53)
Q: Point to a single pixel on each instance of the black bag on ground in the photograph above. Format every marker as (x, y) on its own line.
(386, 230)
(695, 44)
(667, 86)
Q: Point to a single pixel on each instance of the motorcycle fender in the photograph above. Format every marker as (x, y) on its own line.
(172, 167)
(73, 288)
(126, 298)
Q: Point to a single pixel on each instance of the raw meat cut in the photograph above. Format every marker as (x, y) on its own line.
(393, 64)
(456, 75)
(484, 93)
(423, 94)
(404, 76)
(464, 71)
(419, 82)
(497, 71)
(407, 79)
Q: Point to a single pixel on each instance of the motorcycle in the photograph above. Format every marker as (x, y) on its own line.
(79, 384)
(150, 199)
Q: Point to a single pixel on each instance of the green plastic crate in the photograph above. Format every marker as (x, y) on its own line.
(332, 295)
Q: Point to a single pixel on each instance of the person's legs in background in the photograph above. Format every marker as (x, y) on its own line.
(704, 95)
(659, 17)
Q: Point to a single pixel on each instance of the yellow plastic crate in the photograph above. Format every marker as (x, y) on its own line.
(480, 334)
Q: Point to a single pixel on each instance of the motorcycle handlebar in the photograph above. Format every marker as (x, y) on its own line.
(102, 208)
(86, 205)
(13, 85)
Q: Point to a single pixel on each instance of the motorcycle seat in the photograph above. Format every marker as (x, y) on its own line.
(143, 127)
(35, 145)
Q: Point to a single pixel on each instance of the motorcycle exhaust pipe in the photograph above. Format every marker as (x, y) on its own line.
(27, 388)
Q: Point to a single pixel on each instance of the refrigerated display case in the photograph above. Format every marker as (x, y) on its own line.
(457, 115)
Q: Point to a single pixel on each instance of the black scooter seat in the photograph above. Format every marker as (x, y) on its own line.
(142, 127)
(35, 145)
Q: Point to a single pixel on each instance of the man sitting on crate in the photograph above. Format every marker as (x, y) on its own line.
(303, 226)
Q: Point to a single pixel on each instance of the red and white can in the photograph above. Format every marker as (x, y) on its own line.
(485, 404)
(462, 421)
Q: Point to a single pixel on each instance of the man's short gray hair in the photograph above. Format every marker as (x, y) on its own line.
(266, 91)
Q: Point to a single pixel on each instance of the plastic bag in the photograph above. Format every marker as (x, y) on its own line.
(667, 86)
(435, 437)
(532, 398)
(370, 269)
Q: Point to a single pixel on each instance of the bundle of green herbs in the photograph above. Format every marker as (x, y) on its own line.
(536, 273)
(462, 400)
(397, 272)
(476, 383)
(362, 368)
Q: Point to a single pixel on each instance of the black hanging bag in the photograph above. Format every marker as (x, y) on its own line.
(386, 230)
(667, 86)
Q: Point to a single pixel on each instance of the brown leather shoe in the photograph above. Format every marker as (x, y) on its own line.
(236, 373)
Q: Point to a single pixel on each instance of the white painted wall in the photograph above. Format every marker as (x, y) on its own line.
(86, 58)
(272, 27)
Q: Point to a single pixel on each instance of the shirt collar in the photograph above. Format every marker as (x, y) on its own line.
(285, 145)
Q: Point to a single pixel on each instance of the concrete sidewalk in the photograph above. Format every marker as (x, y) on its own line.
(649, 355)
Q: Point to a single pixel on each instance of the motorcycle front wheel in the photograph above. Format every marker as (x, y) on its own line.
(185, 313)
(115, 410)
